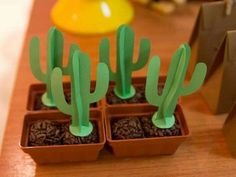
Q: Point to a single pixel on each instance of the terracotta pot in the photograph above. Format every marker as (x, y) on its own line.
(62, 153)
(39, 89)
(136, 82)
(144, 146)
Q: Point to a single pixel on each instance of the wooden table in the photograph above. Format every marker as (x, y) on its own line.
(204, 154)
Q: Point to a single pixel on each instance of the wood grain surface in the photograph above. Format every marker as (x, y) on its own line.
(204, 154)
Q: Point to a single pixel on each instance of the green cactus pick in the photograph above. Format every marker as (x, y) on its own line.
(124, 62)
(80, 92)
(54, 59)
(164, 117)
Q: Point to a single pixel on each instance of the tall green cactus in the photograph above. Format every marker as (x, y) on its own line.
(164, 117)
(124, 60)
(80, 92)
(55, 44)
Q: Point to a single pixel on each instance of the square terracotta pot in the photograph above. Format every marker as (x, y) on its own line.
(62, 153)
(36, 90)
(137, 82)
(144, 146)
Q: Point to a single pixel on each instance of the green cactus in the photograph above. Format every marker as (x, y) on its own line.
(55, 44)
(124, 60)
(164, 117)
(80, 92)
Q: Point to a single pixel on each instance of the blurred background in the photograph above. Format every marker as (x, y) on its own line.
(14, 15)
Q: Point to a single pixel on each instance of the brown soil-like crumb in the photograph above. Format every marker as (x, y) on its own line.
(38, 105)
(127, 128)
(67, 137)
(139, 97)
(151, 130)
(45, 132)
(92, 138)
(140, 127)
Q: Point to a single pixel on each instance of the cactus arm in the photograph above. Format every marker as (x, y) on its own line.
(35, 60)
(144, 54)
(102, 83)
(196, 81)
(104, 57)
(67, 69)
(58, 93)
(152, 82)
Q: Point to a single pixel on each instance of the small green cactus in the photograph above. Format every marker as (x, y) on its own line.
(80, 92)
(164, 117)
(55, 44)
(124, 60)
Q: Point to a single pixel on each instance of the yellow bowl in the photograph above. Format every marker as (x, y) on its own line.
(91, 16)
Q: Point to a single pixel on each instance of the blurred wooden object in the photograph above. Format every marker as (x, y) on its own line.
(230, 130)
(212, 45)
(205, 154)
(162, 6)
(229, 4)
(218, 89)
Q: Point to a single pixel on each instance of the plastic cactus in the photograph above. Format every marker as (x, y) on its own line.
(54, 59)
(164, 117)
(124, 60)
(80, 92)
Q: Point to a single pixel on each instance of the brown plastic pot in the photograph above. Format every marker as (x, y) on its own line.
(144, 146)
(136, 82)
(36, 89)
(62, 153)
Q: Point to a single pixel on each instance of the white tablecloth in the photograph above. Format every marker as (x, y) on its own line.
(14, 15)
